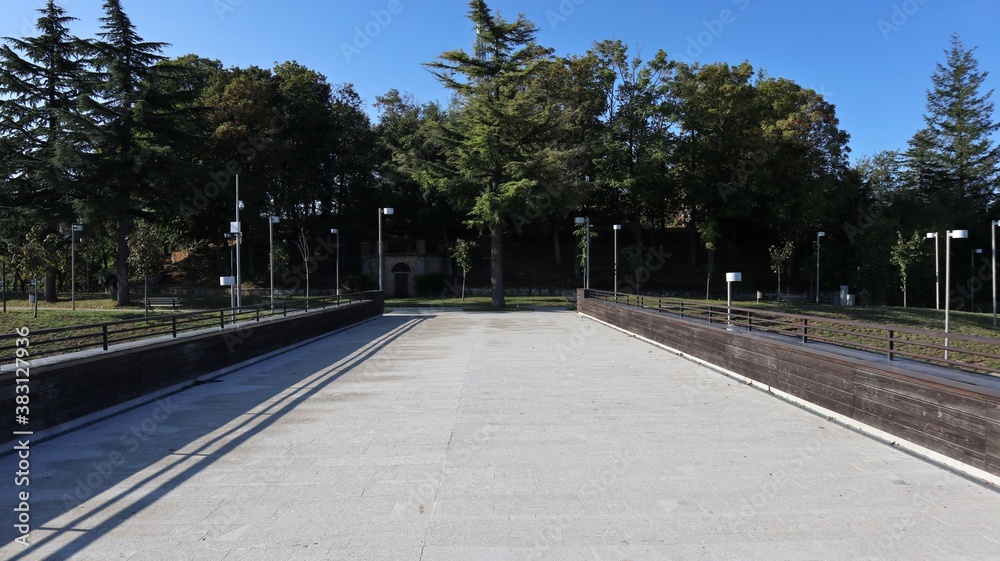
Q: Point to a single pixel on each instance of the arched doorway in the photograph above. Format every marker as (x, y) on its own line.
(401, 273)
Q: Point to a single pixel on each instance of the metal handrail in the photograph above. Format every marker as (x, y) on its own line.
(63, 340)
(892, 341)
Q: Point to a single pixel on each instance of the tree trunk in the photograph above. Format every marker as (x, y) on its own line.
(50, 285)
(555, 245)
(496, 265)
(124, 223)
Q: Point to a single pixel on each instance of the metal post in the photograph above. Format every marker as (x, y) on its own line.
(617, 227)
(972, 275)
(72, 265)
(994, 224)
(270, 234)
(818, 236)
(588, 255)
(937, 271)
(388, 211)
(336, 231)
(239, 236)
(958, 234)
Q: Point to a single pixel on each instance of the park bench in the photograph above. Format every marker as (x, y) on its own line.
(171, 302)
(799, 298)
(570, 296)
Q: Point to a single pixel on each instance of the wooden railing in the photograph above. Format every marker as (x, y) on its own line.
(966, 352)
(63, 340)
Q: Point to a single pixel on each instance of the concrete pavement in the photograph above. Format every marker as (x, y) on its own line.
(447, 436)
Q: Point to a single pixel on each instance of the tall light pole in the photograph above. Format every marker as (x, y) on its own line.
(972, 276)
(617, 227)
(994, 224)
(958, 235)
(818, 236)
(336, 232)
(270, 236)
(937, 270)
(586, 254)
(238, 230)
(381, 260)
(72, 262)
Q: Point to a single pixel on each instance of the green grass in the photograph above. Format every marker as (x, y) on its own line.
(484, 303)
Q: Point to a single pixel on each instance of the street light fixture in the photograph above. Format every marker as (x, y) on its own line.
(975, 252)
(388, 211)
(336, 232)
(616, 227)
(72, 262)
(586, 254)
(270, 236)
(818, 236)
(937, 271)
(958, 235)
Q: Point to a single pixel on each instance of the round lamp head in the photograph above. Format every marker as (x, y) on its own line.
(734, 277)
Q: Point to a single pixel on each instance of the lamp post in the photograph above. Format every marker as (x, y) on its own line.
(818, 236)
(616, 227)
(994, 224)
(72, 262)
(270, 236)
(586, 254)
(975, 252)
(958, 235)
(238, 230)
(730, 279)
(381, 261)
(336, 232)
(937, 271)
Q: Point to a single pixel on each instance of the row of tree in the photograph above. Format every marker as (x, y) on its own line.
(711, 163)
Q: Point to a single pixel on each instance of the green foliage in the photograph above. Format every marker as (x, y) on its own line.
(905, 253)
(779, 257)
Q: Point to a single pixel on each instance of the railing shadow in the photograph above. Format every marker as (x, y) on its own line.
(180, 455)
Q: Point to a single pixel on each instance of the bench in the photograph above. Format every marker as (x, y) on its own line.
(171, 302)
(570, 296)
(794, 298)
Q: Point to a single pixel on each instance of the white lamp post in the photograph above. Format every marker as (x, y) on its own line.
(617, 227)
(994, 224)
(381, 261)
(586, 253)
(937, 271)
(818, 236)
(336, 232)
(975, 252)
(958, 235)
(270, 235)
(730, 279)
(72, 262)
(237, 229)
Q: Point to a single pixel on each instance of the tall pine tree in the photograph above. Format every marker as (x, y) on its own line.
(39, 87)
(133, 118)
(502, 136)
(953, 162)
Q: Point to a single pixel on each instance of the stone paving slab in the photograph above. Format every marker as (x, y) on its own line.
(452, 436)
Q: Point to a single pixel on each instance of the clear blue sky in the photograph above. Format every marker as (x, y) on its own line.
(876, 74)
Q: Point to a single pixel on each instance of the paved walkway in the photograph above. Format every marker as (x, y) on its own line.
(465, 437)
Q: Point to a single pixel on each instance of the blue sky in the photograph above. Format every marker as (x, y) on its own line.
(871, 58)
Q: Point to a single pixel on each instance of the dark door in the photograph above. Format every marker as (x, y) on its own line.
(402, 285)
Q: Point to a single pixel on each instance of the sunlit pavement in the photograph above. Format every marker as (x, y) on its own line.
(476, 436)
